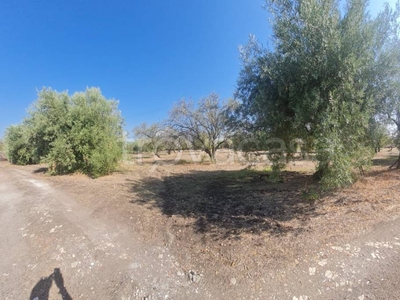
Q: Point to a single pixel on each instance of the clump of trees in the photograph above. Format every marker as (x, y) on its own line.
(328, 74)
(203, 124)
(82, 132)
(157, 137)
(191, 125)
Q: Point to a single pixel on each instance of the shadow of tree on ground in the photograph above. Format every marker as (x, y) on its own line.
(387, 161)
(227, 203)
(41, 170)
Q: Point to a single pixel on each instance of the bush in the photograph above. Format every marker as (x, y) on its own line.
(17, 148)
(82, 132)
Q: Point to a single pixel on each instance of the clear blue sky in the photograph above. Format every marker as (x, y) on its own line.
(147, 54)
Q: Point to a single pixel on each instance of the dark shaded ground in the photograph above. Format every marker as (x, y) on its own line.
(228, 203)
(385, 161)
(42, 170)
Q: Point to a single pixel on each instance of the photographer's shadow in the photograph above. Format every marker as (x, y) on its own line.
(42, 289)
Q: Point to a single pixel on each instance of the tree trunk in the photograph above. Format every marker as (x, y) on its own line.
(211, 154)
(398, 161)
(213, 159)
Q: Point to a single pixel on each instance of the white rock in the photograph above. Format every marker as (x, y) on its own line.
(337, 248)
(323, 262)
(328, 274)
(311, 271)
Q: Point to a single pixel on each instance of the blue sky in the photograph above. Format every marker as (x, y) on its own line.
(147, 54)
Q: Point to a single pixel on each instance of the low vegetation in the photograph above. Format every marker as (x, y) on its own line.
(82, 132)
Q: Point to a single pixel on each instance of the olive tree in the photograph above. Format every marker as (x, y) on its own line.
(82, 132)
(390, 109)
(204, 124)
(17, 147)
(320, 81)
(151, 136)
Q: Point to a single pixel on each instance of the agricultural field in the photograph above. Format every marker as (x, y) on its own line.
(231, 218)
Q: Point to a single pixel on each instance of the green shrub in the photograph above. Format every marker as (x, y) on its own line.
(82, 132)
(17, 147)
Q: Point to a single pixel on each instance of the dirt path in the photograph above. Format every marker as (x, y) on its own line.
(55, 248)
(43, 230)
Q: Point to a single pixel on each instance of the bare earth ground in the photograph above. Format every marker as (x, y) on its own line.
(190, 230)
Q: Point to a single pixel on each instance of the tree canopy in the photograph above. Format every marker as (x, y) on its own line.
(82, 132)
(204, 124)
(321, 80)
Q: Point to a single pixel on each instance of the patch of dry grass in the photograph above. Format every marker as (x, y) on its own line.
(221, 216)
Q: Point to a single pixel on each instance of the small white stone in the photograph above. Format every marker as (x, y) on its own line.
(311, 271)
(337, 248)
(328, 274)
(323, 262)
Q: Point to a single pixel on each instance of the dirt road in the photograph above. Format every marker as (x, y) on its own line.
(54, 248)
(43, 230)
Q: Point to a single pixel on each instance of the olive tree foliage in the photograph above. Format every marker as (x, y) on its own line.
(203, 124)
(388, 100)
(379, 134)
(82, 132)
(320, 81)
(17, 147)
(149, 136)
(156, 137)
(389, 105)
